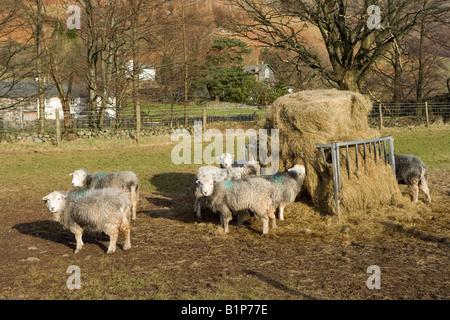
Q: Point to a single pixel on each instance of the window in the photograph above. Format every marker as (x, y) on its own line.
(266, 73)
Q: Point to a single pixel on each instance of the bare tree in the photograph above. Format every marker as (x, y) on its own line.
(62, 51)
(414, 68)
(352, 46)
(15, 43)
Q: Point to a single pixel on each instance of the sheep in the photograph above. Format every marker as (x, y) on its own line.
(411, 171)
(124, 180)
(259, 195)
(286, 189)
(218, 174)
(240, 196)
(226, 160)
(106, 210)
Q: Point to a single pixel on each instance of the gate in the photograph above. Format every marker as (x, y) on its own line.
(377, 146)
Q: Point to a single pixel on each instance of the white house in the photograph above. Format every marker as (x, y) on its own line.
(19, 102)
(146, 72)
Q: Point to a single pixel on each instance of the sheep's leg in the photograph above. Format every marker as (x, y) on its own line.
(78, 232)
(281, 211)
(271, 215)
(198, 208)
(415, 192)
(424, 187)
(127, 244)
(225, 217)
(126, 231)
(112, 242)
(265, 221)
(133, 200)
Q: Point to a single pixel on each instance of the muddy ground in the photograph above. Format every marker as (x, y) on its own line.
(174, 256)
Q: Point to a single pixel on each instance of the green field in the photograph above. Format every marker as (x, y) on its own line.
(431, 145)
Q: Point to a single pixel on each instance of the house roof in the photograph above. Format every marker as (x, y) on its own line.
(252, 68)
(29, 89)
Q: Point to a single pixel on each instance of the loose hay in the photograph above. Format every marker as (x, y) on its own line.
(308, 118)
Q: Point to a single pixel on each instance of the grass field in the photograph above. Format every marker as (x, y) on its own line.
(173, 256)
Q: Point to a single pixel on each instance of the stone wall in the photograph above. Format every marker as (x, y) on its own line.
(36, 137)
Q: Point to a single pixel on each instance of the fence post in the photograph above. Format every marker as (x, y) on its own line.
(426, 114)
(335, 168)
(391, 154)
(381, 116)
(204, 118)
(58, 128)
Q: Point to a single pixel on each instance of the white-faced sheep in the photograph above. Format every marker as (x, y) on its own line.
(411, 171)
(226, 160)
(123, 180)
(219, 174)
(287, 185)
(259, 195)
(104, 210)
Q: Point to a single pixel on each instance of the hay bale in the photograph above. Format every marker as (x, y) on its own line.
(308, 118)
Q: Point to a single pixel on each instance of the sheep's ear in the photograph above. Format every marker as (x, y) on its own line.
(45, 198)
(71, 174)
(197, 182)
(219, 158)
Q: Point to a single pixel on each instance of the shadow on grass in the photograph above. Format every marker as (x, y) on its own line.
(279, 285)
(52, 231)
(416, 233)
(174, 198)
(174, 182)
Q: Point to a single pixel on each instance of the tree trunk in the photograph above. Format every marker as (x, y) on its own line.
(135, 76)
(68, 130)
(92, 55)
(183, 24)
(350, 81)
(39, 66)
(92, 104)
(420, 76)
(398, 77)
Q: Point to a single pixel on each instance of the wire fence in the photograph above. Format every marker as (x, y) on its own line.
(409, 114)
(381, 115)
(156, 117)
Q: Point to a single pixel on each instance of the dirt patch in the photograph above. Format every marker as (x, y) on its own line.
(174, 256)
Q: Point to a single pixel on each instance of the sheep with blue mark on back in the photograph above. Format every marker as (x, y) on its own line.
(218, 174)
(411, 171)
(287, 185)
(105, 210)
(259, 195)
(123, 180)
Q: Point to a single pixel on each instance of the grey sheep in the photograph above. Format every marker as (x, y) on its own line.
(259, 195)
(411, 171)
(221, 174)
(124, 180)
(104, 210)
(287, 185)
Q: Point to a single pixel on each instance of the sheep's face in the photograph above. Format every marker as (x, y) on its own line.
(206, 186)
(226, 160)
(54, 201)
(300, 169)
(78, 178)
